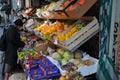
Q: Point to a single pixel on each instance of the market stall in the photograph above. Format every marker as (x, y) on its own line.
(54, 33)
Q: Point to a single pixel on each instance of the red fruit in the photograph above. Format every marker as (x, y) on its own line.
(82, 2)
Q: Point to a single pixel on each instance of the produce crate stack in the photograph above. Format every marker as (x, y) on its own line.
(69, 34)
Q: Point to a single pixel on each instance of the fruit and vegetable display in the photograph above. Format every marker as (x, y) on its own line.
(44, 62)
(71, 61)
(62, 56)
(49, 28)
(59, 30)
(37, 66)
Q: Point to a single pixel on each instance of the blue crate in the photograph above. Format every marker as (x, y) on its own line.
(36, 73)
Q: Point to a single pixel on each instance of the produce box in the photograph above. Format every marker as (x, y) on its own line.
(43, 45)
(89, 30)
(74, 13)
(41, 68)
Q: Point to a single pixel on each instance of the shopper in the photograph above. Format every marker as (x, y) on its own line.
(13, 42)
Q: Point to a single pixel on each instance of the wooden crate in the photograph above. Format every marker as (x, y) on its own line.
(76, 13)
(81, 36)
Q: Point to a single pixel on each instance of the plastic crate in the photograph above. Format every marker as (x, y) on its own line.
(36, 71)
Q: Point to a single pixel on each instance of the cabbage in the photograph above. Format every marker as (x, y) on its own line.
(64, 61)
(61, 51)
(67, 55)
(56, 56)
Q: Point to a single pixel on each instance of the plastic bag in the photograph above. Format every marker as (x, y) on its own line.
(18, 76)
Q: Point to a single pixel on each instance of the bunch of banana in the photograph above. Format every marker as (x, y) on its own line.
(22, 54)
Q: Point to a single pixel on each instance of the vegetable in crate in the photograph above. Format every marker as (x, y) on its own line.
(67, 55)
(77, 54)
(61, 51)
(57, 56)
(79, 63)
(64, 61)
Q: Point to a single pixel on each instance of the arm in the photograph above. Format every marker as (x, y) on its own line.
(14, 37)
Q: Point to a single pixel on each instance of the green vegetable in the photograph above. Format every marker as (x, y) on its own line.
(56, 56)
(64, 61)
(67, 55)
(61, 51)
(78, 55)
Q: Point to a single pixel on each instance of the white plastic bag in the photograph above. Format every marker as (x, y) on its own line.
(18, 76)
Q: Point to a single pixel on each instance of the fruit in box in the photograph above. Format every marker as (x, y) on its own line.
(66, 36)
(78, 3)
(81, 2)
(71, 32)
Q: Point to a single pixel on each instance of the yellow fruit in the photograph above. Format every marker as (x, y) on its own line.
(62, 78)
